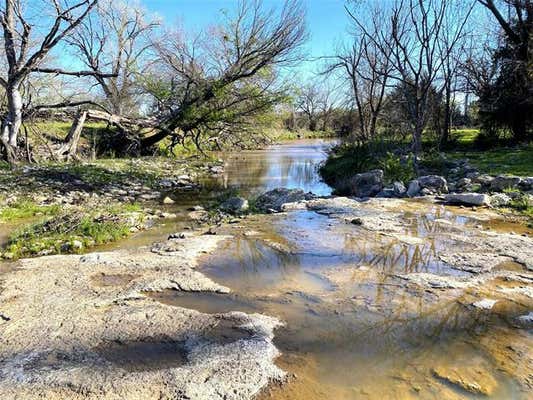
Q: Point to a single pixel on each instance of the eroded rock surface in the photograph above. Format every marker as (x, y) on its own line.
(80, 327)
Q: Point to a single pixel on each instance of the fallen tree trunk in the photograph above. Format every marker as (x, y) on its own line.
(69, 148)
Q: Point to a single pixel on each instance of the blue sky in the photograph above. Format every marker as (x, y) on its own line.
(326, 19)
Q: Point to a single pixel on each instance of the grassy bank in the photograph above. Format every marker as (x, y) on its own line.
(45, 230)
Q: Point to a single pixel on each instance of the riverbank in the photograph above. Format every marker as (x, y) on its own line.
(68, 208)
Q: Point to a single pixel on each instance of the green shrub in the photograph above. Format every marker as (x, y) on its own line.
(396, 169)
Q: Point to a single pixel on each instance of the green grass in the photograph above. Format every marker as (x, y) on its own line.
(513, 161)
(58, 234)
(24, 209)
(464, 136)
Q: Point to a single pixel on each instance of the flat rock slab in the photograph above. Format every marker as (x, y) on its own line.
(80, 327)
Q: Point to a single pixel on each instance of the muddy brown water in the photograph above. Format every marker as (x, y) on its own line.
(369, 338)
(352, 330)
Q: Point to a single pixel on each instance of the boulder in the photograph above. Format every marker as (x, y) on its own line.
(463, 182)
(235, 205)
(399, 189)
(414, 188)
(527, 183)
(499, 200)
(485, 180)
(471, 199)
(434, 183)
(366, 184)
(502, 182)
(274, 199)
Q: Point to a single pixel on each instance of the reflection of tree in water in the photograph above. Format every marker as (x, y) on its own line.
(253, 262)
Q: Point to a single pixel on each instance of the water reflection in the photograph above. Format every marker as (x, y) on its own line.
(289, 165)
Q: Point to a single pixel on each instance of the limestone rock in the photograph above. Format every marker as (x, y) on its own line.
(471, 199)
(366, 184)
(274, 199)
(502, 182)
(435, 183)
(499, 200)
(168, 200)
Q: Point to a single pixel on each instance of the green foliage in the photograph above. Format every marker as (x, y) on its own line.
(346, 160)
(396, 169)
(24, 209)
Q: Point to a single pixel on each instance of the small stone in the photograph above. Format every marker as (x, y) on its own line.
(168, 200)
(356, 221)
(485, 304)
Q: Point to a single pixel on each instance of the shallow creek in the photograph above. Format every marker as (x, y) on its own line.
(352, 329)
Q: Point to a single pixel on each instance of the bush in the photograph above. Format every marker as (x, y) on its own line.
(348, 159)
(397, 168)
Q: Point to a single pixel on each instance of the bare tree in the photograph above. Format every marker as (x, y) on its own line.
(115, 38)
(24, 54)
(417, 53)
(312, 102)
(232, 68)
(367, 66)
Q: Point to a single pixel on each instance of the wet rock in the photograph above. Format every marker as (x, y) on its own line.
(414, 188)
(526, 320)
(503, 182)
(476, 381)
(436, 281)
(274, 199)
(471, 199)
(475, 262)
(235, 205)
(485, 304)
(366, 184)
(499, 200)
(434, 183)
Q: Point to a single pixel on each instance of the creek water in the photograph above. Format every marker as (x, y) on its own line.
(352, 329)
(369, 337)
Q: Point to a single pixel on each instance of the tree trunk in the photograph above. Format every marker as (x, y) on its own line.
(70, 146)
(12, 123)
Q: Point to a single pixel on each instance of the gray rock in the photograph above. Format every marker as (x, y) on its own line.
(274, 199)
(503, 182)
(399, 189)
(527, 183)
(435, 183)
(414, 188)
(485, 180)
(235, 205)
(366, 184)
(471, 199)
(463, 182)
(499, 200)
